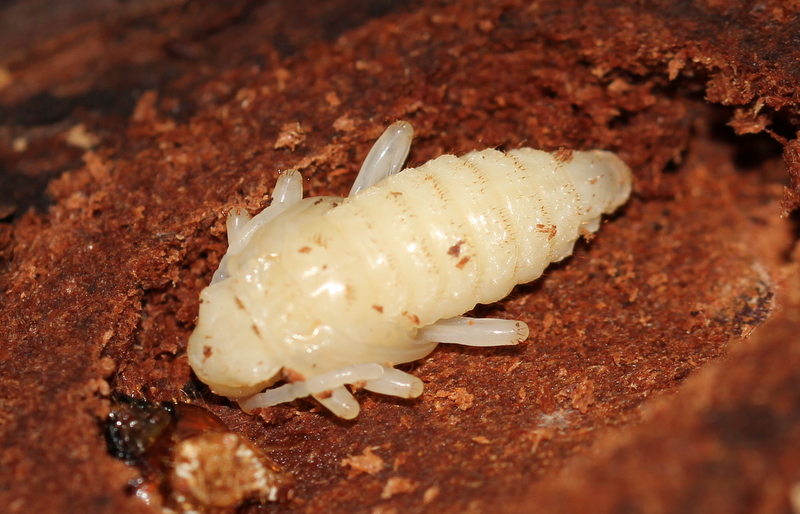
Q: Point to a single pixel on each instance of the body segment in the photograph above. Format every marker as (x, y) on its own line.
(344, 289)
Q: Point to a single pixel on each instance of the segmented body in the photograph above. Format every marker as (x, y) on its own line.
(362, 283)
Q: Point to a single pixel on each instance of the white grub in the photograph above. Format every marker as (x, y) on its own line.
(332, 291)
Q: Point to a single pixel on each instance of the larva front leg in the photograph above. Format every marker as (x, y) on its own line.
(288, 191)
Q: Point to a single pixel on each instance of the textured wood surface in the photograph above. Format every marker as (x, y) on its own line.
(649, 383)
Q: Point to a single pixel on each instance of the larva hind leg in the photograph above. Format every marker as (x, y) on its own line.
(386, 156)
(475, 331)
(288, 191)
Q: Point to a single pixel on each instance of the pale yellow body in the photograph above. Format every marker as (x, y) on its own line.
(331, 283)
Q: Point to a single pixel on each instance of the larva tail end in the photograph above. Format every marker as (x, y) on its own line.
(623, 175)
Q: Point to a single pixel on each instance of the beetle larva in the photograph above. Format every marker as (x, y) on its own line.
(329, 291)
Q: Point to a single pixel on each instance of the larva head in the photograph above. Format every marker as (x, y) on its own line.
(225, 350)
(296, 301)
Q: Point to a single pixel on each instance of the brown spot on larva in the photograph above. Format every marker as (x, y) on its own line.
(304, 249)
(238, 302)
(207, 351)
(324, 394)
(395, 193)
(463, 262)
(593, 181)
(547, 229)
(455, 250)
(562, 154)
(378, 308)
(413, 318)
(291, 375)
(255, 329)
(318, 240)
(587, 234)
(319, 201)
(334, 204)
(349, 293)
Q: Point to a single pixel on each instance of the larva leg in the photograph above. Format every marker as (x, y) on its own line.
(237, 219)
(340, 402)
(288, 191)
(270, 397)
(394, 382)
(386, 156)
(475, 332)
(330, 381)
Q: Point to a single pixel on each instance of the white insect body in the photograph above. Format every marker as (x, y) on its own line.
(329, 291)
